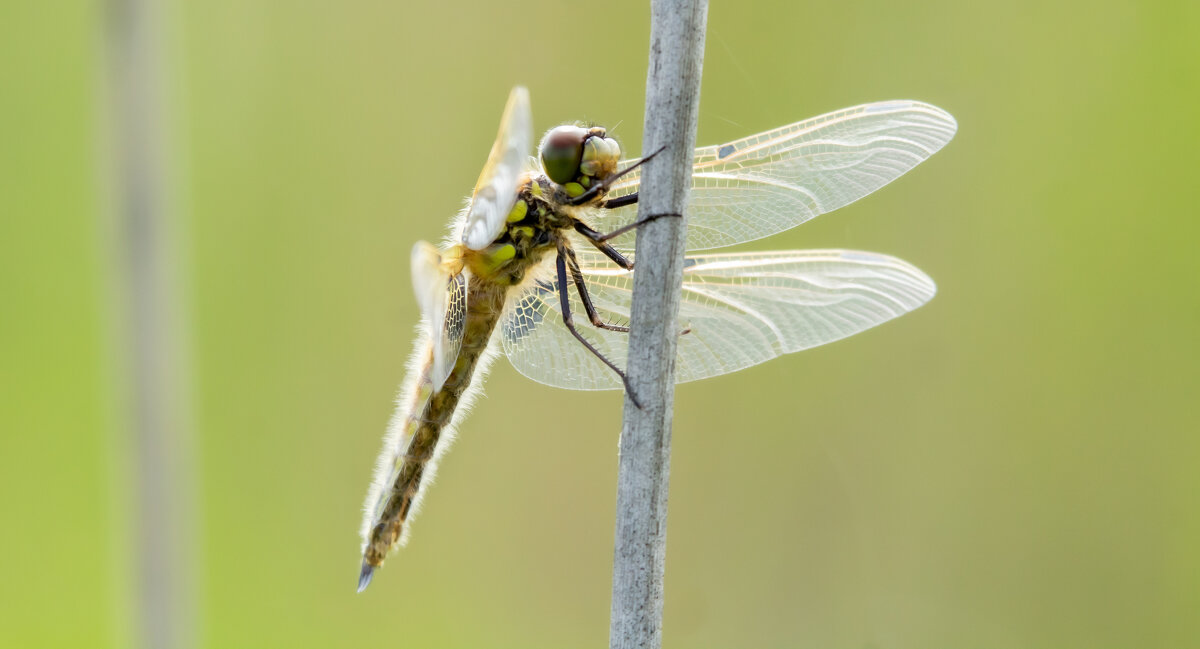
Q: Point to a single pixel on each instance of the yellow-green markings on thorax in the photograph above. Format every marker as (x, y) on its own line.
(530, 231)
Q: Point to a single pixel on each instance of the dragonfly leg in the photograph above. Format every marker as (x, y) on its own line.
(620, 201)
(605, 183)
(626, 228)
(612, 254)
(596, 239)
(585, 297)
(600, 240)
(565, 303)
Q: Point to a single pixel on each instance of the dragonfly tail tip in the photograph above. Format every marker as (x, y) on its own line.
(364, 577)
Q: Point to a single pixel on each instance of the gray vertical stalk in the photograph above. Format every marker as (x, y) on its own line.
(672, 102)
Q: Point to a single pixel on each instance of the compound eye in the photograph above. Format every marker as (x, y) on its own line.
(562, 150)
(600, 156)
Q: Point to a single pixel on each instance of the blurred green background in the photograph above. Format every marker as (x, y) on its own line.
(1013, 465)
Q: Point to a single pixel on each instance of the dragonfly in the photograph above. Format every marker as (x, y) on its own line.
(539, 267)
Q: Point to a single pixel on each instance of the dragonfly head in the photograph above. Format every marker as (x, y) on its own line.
(577, 155)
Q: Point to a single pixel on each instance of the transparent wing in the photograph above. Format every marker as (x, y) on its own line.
(442, 298)
(742, 309)
(770, 182)
(496, 191)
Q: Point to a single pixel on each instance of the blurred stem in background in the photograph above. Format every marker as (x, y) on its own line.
(150, 339)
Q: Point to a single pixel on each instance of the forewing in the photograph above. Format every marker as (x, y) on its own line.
(741, 309)
(496, 191)
(770, 182)
(442, 298)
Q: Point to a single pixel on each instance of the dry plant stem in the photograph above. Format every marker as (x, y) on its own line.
(154, 385)
(672, 100)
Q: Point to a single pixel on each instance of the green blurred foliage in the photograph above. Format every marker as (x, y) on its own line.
(1013, 465)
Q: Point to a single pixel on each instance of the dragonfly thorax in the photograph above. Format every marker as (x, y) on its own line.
(530, 231)
(575, 157)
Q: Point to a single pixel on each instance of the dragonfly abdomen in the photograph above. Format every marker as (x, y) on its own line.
(426, 426)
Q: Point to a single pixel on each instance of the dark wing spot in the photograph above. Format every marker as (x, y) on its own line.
(725, 152)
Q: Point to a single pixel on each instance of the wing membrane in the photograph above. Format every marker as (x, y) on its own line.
(496, 190)
(442, 298)
(742, 309)
(770, 182)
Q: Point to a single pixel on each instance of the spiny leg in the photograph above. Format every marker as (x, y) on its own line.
(626, 228)
(620, 201)
(584, 296)
(581, 286)
(605, 183)
(564, 298)
(600, 240)
(609, 251)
